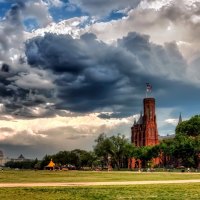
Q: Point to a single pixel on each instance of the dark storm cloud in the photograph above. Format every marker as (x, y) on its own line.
(56, 52)
(14, 96)
(22, 101)
(4, 81)
(22, 89)
(88, 74)
(155, 59)
(5, 67)
(94, 76)
(90, 71)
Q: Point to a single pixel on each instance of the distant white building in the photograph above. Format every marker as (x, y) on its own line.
(4, 159)
(21, 158)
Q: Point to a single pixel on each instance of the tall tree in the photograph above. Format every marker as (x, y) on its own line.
(185, 150)
(103, 149)
(190, 127)
(116, 147)
(119, 150)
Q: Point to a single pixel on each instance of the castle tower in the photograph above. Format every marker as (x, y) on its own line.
(144, 131)
(149, 123)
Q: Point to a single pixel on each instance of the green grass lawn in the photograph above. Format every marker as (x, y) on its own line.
(160, 191)
(12, 176)
(165, 191)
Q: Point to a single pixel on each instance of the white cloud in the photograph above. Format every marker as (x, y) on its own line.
(56, 3)
(70, 26)
(156, 5)
(167, 124)
(173, 21)
(39, 11)
(80, 123)
(33, 81)
(60, 132)
(172, 121)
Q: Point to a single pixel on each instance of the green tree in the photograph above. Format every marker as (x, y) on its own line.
(119, 150)
(190, 127)
(62, 157)
(166, 152)
(102, 149)
(81, 158)
(185, 150)
(28, 164)
(87, 159)
(116, 147)
(45, 161)
(144, 154)
(197, 151)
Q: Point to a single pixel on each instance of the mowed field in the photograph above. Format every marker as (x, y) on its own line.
(159, 191)
(41, 176)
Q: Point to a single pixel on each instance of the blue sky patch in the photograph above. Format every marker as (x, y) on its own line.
(66, 12)
(4, 7)
(30, 24)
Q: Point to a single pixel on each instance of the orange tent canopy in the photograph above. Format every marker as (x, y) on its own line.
(51, 164)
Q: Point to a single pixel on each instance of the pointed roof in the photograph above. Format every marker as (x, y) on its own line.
(140, 120)
(21, 157)
(180, 119)
(134, 123)
(51, 164)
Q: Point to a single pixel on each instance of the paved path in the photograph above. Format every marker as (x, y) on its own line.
(75, 184)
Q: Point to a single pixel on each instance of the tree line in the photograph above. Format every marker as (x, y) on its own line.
(116, 151)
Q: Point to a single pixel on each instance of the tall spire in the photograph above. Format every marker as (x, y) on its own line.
(140, 120)
(180, 119)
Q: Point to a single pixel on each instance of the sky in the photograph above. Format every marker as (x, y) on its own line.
(73, 69)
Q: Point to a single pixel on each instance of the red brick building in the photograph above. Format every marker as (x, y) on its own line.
(144, 132)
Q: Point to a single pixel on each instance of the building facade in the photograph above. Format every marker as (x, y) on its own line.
(144, 132)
